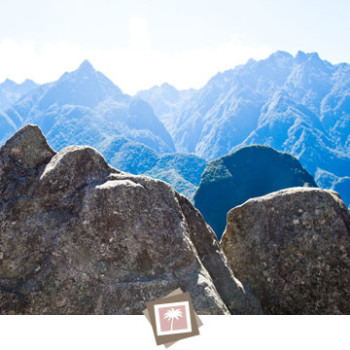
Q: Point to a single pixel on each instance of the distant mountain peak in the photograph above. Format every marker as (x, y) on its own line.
(164, 87)
(304, 56)
(167, 86)
(86, 66)
(29, 84)
(29, 81)
(82, 87)
(8, 83)
(301, 55)
(281, 54)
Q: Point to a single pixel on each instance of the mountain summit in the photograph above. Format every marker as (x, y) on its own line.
(10, 91)
(85, 107)
(83, 87)
(86, 66)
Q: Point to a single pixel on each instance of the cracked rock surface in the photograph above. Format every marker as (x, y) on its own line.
(79, 237)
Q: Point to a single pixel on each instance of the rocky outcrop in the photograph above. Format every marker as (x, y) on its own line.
(79, 237)
(246, 173)
(292, 247)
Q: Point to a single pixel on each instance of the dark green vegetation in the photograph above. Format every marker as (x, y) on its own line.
(296, 104)
(182, 171)
(249, 172)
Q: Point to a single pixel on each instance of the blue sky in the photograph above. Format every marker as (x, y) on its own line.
(141, 43)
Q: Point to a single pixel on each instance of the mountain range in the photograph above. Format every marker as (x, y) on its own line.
(296, 104)
(84, 107)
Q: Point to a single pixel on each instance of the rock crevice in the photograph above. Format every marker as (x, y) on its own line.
(73, 230)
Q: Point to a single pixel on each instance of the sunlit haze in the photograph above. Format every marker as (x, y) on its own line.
(138, 43)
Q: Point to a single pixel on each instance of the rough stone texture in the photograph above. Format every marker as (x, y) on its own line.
(292, 248)
(79, 237)
(208, 248)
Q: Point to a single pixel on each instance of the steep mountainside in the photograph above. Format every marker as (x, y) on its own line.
(85, 108)
(335, 183)
(182, 171)
(164, 99)
(249, 172)
(10, 91)
(299, 105)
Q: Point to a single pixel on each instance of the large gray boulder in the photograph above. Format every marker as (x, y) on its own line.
(79, 237)
(292, 247)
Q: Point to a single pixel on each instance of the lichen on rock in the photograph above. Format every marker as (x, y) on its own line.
(80, 237)
(292, 247)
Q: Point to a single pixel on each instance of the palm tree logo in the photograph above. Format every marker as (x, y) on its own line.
(171, 315)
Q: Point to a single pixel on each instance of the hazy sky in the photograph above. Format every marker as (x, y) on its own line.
(139, 43)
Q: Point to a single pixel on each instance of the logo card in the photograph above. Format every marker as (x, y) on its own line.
(173, 318)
